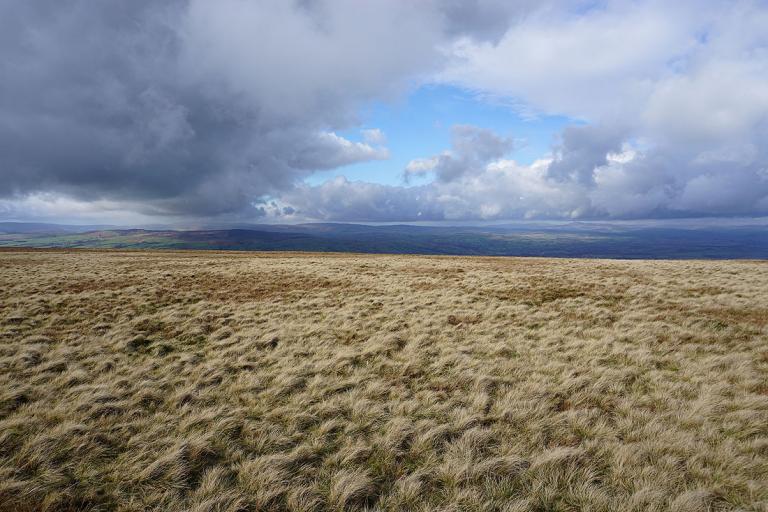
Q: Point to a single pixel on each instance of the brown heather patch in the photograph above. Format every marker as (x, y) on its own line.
(259, 286)
(463, 319)
(754, 316)
(706, 290)
(94, 285)
(182, 380)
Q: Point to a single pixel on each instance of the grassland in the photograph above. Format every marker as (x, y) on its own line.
(235, 381)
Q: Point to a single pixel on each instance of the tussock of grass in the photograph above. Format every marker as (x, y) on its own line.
(208, 381)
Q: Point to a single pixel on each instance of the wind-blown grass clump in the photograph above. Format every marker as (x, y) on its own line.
(211, 381)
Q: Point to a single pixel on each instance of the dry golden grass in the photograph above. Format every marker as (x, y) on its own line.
(211, 381)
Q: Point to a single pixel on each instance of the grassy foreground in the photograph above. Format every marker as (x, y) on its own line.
(234, 381)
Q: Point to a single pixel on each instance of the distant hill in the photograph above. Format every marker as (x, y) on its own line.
(596, 240)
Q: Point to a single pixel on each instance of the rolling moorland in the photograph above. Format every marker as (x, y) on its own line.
(670, 240)
(285, 381)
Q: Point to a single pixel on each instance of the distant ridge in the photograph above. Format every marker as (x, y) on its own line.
(579, 240)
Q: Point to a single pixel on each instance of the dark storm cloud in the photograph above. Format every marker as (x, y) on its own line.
(190, 107)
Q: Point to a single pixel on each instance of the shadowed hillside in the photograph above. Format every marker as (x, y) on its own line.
(573, 240)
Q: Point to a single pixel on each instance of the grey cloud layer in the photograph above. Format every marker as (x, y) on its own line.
(472, 148)
(190, 107)
(193, 106)
(674, 94)
(592, 174)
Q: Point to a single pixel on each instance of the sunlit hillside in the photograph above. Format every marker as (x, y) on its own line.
(290, 381)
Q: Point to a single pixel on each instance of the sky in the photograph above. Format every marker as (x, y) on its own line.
(278, 111)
